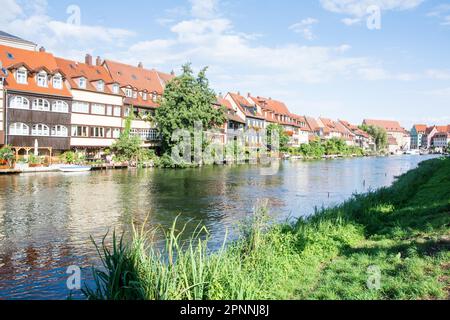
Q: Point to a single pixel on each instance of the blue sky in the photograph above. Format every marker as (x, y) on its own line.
(318, 56)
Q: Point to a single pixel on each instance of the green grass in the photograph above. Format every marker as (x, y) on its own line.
(403, 231)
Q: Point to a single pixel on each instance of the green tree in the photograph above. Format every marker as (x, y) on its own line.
(283, 136)
(378, 134)
(127, 147)
(187, 99)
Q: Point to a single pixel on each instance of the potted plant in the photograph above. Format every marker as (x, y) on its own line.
(6, 157)
(34, 161)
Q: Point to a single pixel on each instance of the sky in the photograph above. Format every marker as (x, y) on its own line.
(342, 59)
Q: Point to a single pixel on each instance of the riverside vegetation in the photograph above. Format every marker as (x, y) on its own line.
(403, 230)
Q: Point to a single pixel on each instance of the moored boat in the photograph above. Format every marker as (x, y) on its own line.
(75, 168)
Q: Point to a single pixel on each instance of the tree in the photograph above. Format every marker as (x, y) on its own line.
(283, 136)
(186, 100)
(128, 147)
(378, 134)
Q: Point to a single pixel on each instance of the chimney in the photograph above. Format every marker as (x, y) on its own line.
(88, 59)
(172, 73)
(98, 62)
(41, 49)
(249, 94)
(140, 65)
(238, 93)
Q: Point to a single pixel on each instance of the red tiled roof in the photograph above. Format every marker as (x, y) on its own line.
(443, 129)
(75, 70)
(312, 123)
(242, 103)
(230, 112)
(34, 61)
(136, 77)
(272, 105)
(388, 125)
(420, 127)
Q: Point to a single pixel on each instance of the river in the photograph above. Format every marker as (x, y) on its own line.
(46, 219)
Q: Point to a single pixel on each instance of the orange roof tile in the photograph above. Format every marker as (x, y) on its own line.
(272, 105)
(139, 78)
(34, 61)
(388, 125)
(420, 127)
(74, 70)
(244, 104)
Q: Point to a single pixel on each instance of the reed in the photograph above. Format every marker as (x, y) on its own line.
(402, 230)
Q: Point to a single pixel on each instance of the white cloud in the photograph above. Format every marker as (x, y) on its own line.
(441, 12)
(304, 27)
(204, 8)
(33, 23)
(438, 74)
(357, 9)
(350, 21)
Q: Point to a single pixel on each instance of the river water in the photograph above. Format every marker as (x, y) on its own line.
(46, 219)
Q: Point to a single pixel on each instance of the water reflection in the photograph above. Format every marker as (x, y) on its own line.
(46, 220)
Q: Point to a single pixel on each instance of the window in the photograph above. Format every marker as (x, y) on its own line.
(79, 131)
(128, 92)
(40, 130)
(80, 107)
(21, 76)
(59, 131)
(98, 109)
(41, 105)
(57, 82)
(117, 111)
(19, 103)
(97, 132)
(19, 129)
(115, 88)
(109, 110)
(126, 113)
(116, 133)
(60, 106)
(42, 80)
(108, 133)
(154, 97)
(144, 95)
(135, 94)
(82, 83)
(100, 86)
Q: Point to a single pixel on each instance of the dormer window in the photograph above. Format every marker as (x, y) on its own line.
(42, 80)
(128, 92)
(82, 83)
(154, 97)
(21, 76)
(57, 82)
(135, 94)
(115, 88)
(100, 86)
(144, 96)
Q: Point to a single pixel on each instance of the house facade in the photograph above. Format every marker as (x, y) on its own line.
(234, 125)
(401, 138)
(37, 102)
(254, 119)
(3, 73)
(417, 133)
(142, 90)
(97, 107)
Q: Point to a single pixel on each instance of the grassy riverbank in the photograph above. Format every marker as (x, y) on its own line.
(402, 231)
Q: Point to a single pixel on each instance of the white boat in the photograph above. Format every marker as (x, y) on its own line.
(75, 168)
(413, 152)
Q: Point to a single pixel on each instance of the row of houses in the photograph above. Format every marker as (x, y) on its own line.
(428, 137)
(55, 104)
